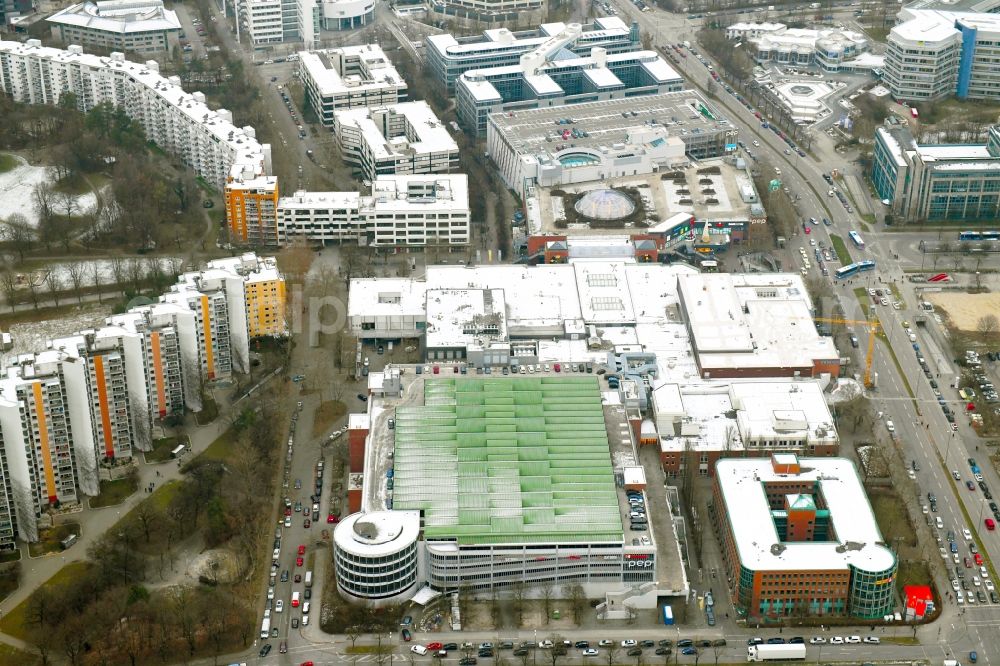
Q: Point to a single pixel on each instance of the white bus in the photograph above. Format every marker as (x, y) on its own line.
(265, 628)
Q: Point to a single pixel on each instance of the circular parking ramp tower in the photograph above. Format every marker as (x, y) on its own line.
(376, 555)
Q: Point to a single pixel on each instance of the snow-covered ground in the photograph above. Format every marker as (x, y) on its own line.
(32, 337)
(167, 266)
(17, 185)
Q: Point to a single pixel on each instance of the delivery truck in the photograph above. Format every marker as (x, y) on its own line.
(784, 652)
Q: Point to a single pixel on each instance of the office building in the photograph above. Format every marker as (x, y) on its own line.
(936, 53)
(799, 539)
(347, 78)
(448, 57)
(405, 138)
(937, 182)
(742, 418)
(606, 139)
(402, 211)
(180, 123)
(830, 49)
(493, 13)
(135, 26)
(261, 21)
(13, 10)
(547, 77)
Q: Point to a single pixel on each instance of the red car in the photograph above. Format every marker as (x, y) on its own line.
(978, 558)
(288, 511)
(306, 663)
(331, 518)
(808, 230)
(298, 561)
(302, 549)
(556, 367)
(434, 647)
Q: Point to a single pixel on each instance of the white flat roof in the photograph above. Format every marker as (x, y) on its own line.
(452, 313)
(119, 16)
(376, 64)
(954, 152)
(754, 319)
(380, 297)
(378, 533)
(782, 409)
(495, 39)
(429, 134)
(741, 482)
(393, 192)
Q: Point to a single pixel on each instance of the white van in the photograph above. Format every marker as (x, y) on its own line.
(939, 522)
(309, 579)
(418, 649)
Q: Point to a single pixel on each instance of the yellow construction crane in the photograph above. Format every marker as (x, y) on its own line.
(873, 327)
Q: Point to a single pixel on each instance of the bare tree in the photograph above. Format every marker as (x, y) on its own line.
(54, 284)
(578, 602)
(19, 234)
(95, 276)
(118, 272)
(517, 597)
(352, 633)
(135, 273)
(8, 283)
(612, 653)
(988, 325)
(547, 591)
(77, 272)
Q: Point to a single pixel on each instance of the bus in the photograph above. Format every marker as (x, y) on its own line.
(978, 235)
(852, 269)
(265, 628)
(856, 239)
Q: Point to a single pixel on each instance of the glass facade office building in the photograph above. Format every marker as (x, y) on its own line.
(937, 182)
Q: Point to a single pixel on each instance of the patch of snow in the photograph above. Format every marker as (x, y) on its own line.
(32, 336)
(17, 185)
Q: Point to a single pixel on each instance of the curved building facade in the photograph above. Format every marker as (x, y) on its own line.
(376, 554)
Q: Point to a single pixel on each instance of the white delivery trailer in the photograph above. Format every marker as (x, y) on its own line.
(265, 628)
(776, 652)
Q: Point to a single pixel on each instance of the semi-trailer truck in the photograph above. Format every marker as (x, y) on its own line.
(784, 652)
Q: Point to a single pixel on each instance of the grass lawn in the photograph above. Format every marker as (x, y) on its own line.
(114, 492)
(11, 656)
(75, 184)
(7, 162)
(326, 415)
(841, 249)
(209, 411)
(220, 449)
(161, 449)
(163, 495)
(13, 622)
(892, 518)
(48, 540)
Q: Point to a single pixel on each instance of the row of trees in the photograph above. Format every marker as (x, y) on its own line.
(130, 276)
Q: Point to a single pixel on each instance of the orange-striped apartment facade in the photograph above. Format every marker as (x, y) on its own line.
(164, 376)
(45, 419)
(213, 335)
(252, 211)
(265, 304)
(111, 415)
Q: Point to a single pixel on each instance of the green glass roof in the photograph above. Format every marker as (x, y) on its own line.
(508, 460)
